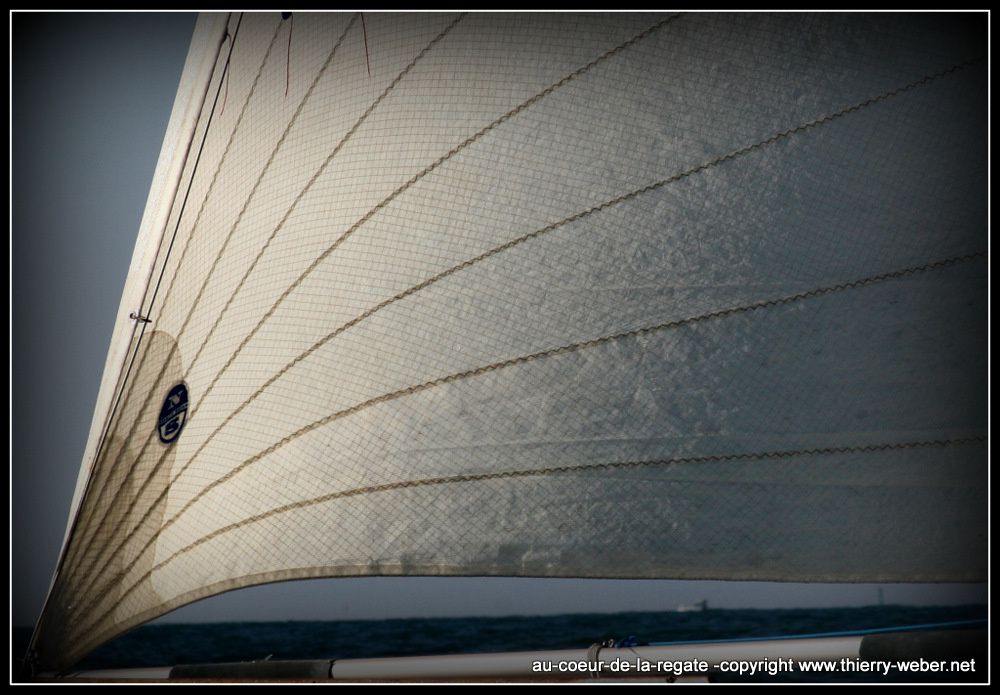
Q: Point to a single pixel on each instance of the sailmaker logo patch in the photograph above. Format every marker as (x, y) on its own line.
(173, 414)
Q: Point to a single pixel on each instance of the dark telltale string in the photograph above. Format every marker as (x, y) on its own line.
(364, 31)
(288, 55)
(225, 77)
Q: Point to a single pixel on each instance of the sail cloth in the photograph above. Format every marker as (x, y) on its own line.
(635, 295)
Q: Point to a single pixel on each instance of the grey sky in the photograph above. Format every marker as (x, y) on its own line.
(92, 94)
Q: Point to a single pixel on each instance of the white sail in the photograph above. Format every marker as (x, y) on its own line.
(637, 295)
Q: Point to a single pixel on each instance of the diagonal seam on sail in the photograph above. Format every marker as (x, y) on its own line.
(539, 472)
(566, 349)
(229, 235)
(123, 396)
(521, 107)
(822, 120)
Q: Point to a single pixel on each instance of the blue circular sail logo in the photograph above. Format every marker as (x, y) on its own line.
(173, 414)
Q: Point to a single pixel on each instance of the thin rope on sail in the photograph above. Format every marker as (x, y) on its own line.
(735, 154)
(565, 80)
(274, 152)
(317, 174)
(229, 38)
(85, 539)
(531, 473)
(72, 545)
(229, 236)
(69, 544)
(523, 359)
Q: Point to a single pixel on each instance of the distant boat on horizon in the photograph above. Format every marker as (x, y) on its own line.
(698, 607)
